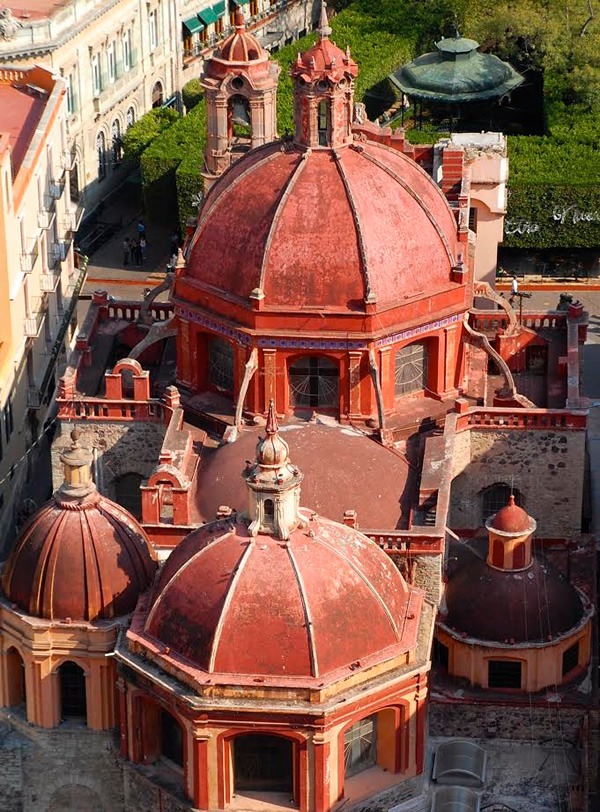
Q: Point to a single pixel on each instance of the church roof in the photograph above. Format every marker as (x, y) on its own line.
(314, 608)
(80, 556)
(332, 229)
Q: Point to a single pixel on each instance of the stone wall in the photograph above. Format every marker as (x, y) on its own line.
(488, 721)
(547, 467)
(45, 770)
(141, 793)
(117, 449)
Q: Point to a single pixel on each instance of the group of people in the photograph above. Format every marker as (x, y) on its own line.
(134, 250)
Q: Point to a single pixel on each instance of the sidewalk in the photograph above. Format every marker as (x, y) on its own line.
(106, 270)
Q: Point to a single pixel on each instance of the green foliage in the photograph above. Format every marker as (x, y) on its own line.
(176, 153)
(192, 94)
(143, 132)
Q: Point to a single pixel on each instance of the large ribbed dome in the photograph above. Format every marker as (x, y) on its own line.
(307, 228)
(318, 606)
(80, 556)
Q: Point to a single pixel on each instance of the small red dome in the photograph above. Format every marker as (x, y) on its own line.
(324, 60)
(324, 229)
(241, 46)
(511, 519)
(326, 600)
(80, 558)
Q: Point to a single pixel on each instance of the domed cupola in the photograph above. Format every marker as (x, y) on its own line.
(324, 92)
(80, 556)
(273, 485)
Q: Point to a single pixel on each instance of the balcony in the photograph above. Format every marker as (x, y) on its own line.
(68, 158)
(29, 257)
(34, 398)
(72, 218)
(48, 282)
(59, 252)
(33, 323)
(46, 216)
(56, 188)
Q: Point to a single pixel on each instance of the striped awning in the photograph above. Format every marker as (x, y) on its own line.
(193, 25)
(208, 16)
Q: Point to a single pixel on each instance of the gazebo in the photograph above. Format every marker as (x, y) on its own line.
(456, 74)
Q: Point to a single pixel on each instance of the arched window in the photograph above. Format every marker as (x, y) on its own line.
(323, 123)
(72, 691)
(498, 553)
(157, 95)
(519, 555)
(220, 363)
(128, 494)
(130, 117)
(101, 152)
(171, 738)
(411, 369)
(314, 382)
(117, 141)
(496, 497)
(360, 746)
(15, 678)
(262, 763)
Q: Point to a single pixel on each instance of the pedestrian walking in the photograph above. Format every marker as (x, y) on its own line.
(142, 243)
(126, 251)
(141, 228)
(136, 254)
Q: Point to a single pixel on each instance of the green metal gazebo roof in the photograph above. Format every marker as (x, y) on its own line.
(456, 73)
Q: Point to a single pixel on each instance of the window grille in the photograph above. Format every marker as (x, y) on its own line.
(360, 746)
(220, 364)
(411, 369)
(314, 381)
(504, 674)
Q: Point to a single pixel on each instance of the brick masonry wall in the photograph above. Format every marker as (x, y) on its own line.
(545, 466)
(118, 448)
(142, 794)
(500, 722)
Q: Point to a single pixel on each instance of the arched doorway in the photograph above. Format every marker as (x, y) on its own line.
(262, 763)
(15, 678)
(411, 369)
(73, 704)
(314, 382)
(220, 364)
(116, 142)
(157, 95)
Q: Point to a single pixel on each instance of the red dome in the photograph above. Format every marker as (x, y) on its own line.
(316, 607)
(79, 558)
(325, 229)
(324, 60)
(241, 46)
(511, 519)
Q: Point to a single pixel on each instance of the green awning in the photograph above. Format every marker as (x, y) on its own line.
(193, 24)
(242, 2)
(219, 8)
(208, 16)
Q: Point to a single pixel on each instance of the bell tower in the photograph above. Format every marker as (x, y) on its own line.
(240, 84)
(323, 80)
